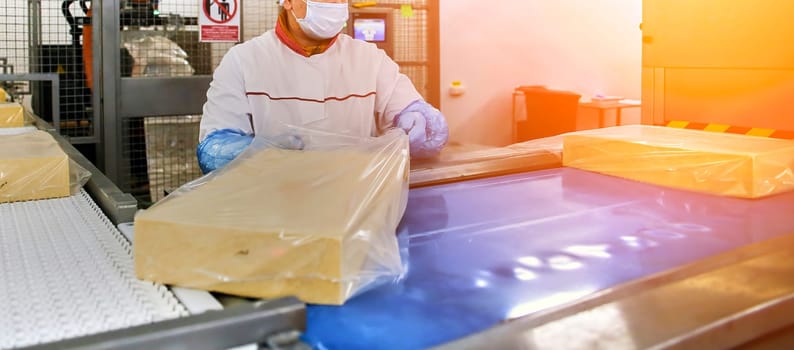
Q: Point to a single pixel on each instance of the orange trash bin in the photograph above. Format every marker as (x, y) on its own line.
(548, 112)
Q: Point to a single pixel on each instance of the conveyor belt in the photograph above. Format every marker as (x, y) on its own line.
(66, 272)
(488, 251)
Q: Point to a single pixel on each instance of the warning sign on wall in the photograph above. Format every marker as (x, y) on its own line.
(219, 21)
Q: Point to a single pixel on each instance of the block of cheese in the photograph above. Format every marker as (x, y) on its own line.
(318, 225)
(11, 115)
(32, 166)
(716, 163)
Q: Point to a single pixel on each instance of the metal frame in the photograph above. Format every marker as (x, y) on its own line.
(106, 23)
(34, 43)
(259, 322)
(99, 83)
(433, 61)
(132, 97)
(34, 29)
(56, 95)
(156, 96)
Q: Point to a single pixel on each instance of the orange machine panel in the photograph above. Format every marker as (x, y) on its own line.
(718, 33)
(718, 61)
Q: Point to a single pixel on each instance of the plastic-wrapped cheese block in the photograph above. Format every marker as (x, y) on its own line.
(11, 115)
(716, 163)
(316, 224)
(32, 166)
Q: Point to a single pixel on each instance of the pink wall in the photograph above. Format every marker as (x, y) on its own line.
(584, 46)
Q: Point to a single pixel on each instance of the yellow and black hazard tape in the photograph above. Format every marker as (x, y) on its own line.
(780, 134)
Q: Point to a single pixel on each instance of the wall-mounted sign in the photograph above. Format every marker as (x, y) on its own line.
(219, 21)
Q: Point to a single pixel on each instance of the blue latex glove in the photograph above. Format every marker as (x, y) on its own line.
(426, 128)
(221, 147)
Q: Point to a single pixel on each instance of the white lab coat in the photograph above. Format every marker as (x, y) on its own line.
(262, 85)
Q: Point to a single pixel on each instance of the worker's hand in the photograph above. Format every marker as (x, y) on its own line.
(426, 128)
(287, 141)
(221, 147)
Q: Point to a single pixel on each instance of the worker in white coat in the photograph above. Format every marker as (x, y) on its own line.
(305, 73)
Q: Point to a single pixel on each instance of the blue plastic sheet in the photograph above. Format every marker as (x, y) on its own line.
(486, 251)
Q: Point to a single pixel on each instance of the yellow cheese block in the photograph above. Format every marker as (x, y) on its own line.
(32, 166)
(716, 163)
(11, 115)
(318, 225)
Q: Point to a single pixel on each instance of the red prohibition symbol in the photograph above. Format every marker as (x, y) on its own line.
(223, 12)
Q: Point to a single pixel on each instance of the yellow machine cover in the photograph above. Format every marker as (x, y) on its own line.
(716, 163)
(318, 224)
(32, 166)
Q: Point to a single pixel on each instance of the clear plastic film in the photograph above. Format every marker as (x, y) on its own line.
(317, 223)
(155, 55)
(78, 177)
(716, 163)
(33, 166)
(12, 115)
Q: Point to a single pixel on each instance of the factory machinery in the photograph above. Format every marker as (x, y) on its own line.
(504, 247)
(498, 256)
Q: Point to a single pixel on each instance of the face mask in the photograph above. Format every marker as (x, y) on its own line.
(323, 20)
